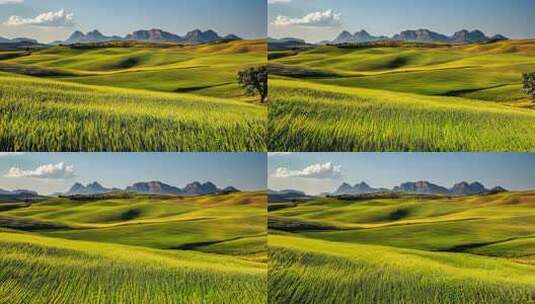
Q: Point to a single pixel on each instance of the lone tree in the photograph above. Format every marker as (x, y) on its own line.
(254, 81)
(529, 84)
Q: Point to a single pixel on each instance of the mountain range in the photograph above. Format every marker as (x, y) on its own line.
(420, 35)
(420, 187)
(153, 187)
(153, 35)
(287, 195)
(18, 195)
(18, 40)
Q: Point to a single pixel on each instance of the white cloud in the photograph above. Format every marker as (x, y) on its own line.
(50, 19)
(320, 171)
(10, 1)
(278, 1)
(271, 154)
(5, 154)
(326, 18)
(50, 171)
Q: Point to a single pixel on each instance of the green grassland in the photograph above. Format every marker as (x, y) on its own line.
(478, 249)
(131, 97)
(436, 98)
(135, 249)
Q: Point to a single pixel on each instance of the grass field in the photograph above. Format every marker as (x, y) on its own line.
(478, 249)
(449, 98)
(209, 249)
(139, 97)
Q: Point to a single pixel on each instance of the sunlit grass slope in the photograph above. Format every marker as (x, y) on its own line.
(158, 222)
(131, 97)
(315, 271)
(402, 99)
(135, 249)
(413, 249)
(49, 115)
(36, 269)
(202, 69)
(305, 116)
(470, 224)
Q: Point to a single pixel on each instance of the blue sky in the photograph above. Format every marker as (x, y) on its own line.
(245, 18)
(513, 18)
(56, 172)
(323, 172)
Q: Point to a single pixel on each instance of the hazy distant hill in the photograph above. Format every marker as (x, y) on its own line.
(287, 195)
(287, 43)
(18, 195)
(419, 35)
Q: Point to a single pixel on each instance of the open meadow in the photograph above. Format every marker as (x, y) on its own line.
(402, 97)
(129, 248)
(131, 96)
(409, 249)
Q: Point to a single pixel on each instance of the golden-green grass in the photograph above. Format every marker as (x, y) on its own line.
(304, 270)
(139, 248)
(413, 249)
(50, 115)
(37, 269)
(306, 116)
(132, 98)
(451, 98)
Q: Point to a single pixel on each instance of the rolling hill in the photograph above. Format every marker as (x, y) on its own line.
(131, 96)
(134, 247)
(396, 96)
(410, 249)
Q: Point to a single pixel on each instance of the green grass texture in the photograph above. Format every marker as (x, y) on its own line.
(449, 98)
(135, 249)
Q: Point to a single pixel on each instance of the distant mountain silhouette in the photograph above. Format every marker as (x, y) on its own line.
(419, 35)
(18, 40)
(287, 195)
(279, 44)
(152, 35)
(18, 194)
(93, 188)
(93, 36)
(152, 187)
(347, 189)
(362, 36)
(420, 187)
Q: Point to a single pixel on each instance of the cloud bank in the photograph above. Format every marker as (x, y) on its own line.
(319, 171)
(50, 171)
(327, 18)
(6, 154)
(278, 1)
(10, 1)
(49, 19)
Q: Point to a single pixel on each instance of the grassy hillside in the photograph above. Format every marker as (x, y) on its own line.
(315, 271)
(139, 97)
(449, 98)
(477, 249)
(208, 249)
